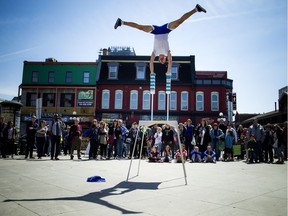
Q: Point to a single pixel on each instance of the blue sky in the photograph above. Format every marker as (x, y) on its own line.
(246, 38)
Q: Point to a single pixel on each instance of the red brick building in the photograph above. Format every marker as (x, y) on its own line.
(123, 90)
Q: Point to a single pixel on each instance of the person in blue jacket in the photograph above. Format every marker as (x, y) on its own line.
(209, 155)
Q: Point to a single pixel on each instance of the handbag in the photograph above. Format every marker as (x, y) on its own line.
(128, 140)
(193, 142)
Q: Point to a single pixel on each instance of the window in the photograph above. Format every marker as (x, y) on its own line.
(134, 99)
(207, 82)
(141, 69)
(199, 101)
(118, 99)
(105, 99)
(113, 70)
(68, 78)
(199, 81)
(216, 82)
(214, 101)
(146, 100)
(49, 99)
(174, 71)
(184, 100)
(86, 76)
(51, 77)
(35, 76)
(67, 100)
(173, 100)
(161, 100)
(31, 99)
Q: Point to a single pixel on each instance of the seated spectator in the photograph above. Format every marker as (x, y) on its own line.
(251, 145)
(209, 155)
(154, 155)
(178, 154)
(195, 155)
(167, 154)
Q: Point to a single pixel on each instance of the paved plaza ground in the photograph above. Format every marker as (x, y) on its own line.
(45, 187)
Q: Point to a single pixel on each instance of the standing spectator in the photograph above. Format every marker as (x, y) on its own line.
(76, 138)
(112, 139)
(216, 133)
(133, 135)
(120, 132)
(267, 144)
(41, 138)
(2, 141)
(196, 155)
(56, 129)
(103, 137)
(241, 136)
(258, 132)
(209, 155)
(203, 136)
(178, 154)
(66, 141)
(189, 135)
(229, 140)
(31, 132)
(168, 139)
(9, 135)
(251, 145)
(93, 136)
(158, 138)
(182, 132)
(153, 131)
(231, 129)
(279, 140)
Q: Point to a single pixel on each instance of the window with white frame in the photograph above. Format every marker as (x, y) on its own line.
(141, 69)
(105, 99)
(184, 100)
(173, 100)
(146, 100)
(214, 101)
(199, 101)
(51, 77)
(134, 99)
(118, 99)
(113, 70)
(161, 100)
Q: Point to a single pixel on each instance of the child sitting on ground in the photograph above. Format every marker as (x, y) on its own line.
(178, 154)
(167, 154)
(209, 155)
(195, 155)
(154, 155)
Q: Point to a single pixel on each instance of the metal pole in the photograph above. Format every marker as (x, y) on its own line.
(168, 91)
(141, 148)
(134, 147)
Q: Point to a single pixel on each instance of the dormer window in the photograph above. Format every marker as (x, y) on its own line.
(113, 70)
(174, 71)
(140, 70)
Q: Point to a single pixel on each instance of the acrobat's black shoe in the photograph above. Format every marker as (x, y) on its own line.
(200, 8)
(118, 23)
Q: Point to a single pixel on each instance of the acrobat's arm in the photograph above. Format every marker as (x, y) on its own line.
(169, 59)
(151, 63)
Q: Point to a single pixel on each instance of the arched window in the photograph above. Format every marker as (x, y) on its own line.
(184, 100)
(146, 100)
(134, 99)
(161, 100)
(173, 100)
(214, 101)
(199, 101)
(118, 99)
(105, 99)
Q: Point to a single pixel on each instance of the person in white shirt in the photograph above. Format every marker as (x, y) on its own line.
(161, 44)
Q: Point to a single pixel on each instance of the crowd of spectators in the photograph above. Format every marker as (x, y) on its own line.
(204, 142)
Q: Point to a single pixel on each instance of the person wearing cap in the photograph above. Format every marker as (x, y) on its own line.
(31, 133)
(161, 44)
(216, 134)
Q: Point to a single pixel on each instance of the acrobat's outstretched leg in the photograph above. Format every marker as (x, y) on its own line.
(176, 23)
(145, 28)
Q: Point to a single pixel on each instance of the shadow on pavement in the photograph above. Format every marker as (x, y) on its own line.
(96, 197)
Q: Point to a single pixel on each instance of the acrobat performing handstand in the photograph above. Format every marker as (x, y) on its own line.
(161, 44)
